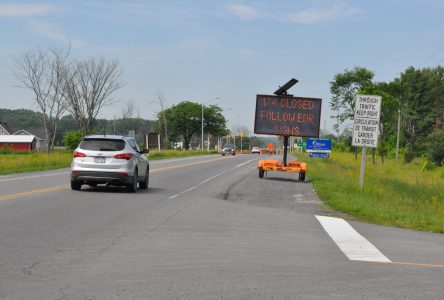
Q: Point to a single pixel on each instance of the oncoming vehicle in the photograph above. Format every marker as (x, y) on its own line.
(255, 150)
(228, 149)
(110, 160)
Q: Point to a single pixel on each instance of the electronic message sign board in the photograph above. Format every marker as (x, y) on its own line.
(287, 116)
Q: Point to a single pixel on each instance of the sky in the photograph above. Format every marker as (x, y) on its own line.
(223, 52)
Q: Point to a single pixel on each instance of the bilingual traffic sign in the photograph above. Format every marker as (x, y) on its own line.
(287, 115)
(366, 121)
(318, 145)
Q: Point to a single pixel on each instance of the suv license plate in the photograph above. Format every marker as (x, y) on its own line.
(99, 160)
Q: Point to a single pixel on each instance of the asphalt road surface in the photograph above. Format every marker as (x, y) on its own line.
(207, 228)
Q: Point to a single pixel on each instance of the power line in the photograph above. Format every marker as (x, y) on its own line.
(433, 55)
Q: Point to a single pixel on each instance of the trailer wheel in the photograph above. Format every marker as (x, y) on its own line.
(261, 173)
(302, 176)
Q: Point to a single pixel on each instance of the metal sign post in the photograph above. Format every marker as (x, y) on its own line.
(362, 171)
(366, 127)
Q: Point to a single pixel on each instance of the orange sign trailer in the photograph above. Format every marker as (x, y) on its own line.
(286, 115)
(273, 165)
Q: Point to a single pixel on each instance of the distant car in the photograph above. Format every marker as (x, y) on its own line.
(255, 150)
(111, 160)
(228, 149)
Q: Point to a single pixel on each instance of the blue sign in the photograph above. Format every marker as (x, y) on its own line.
(319, 155)
(318, 145)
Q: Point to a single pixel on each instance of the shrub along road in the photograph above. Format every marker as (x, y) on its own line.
(207, 227)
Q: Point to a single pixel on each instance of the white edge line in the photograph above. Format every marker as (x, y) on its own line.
(351, 243)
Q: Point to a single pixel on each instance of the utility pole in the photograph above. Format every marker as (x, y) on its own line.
(325, 124)
(201, 145)
(208, 144)
(397, 136)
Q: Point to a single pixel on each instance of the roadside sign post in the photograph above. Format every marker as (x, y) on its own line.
(366, 127)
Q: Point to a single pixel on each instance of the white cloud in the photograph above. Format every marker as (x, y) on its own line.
(26, 10)
(46, 30)
(336, 10)
(242, 11)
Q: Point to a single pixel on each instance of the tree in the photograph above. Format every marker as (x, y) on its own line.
(89, 86)
(184, 120)
(344, 88)
(71, 139)
(43, 72)
(435, 147)
(421, 103)
(127, 114)
(163, 120)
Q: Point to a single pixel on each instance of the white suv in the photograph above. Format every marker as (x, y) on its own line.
(111, 160)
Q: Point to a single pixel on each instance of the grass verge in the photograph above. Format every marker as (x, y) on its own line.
(39, 161)
(394, 194)
(33, 161)
(163, 154)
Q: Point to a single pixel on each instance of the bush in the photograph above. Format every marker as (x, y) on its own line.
(435, 147)
(6, 149)
(71, 139)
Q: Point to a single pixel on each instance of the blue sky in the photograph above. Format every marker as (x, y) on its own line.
(232, 50)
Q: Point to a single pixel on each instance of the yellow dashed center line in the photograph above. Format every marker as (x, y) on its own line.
(62, 187)
(24, 194)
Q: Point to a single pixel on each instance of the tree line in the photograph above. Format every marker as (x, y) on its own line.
(415, 99)
(32, 121)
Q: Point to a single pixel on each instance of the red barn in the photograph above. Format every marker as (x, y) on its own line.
(18, 142)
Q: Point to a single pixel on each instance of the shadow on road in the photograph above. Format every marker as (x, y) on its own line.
(285, 179)
(118, 189)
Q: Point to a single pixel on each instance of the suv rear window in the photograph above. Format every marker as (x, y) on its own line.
(102, 145)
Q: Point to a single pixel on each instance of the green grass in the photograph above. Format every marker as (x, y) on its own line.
(395, 193)
(38, 161)
(163, 154)
(34, 161)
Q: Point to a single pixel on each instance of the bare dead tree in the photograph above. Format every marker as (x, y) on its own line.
(127, 114)
(163, 104)
(89, 87)
(43, 72)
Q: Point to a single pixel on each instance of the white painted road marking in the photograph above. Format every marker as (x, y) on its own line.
(351, 243)
(210, 178)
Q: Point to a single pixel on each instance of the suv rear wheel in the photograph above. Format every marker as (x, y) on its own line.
(144, 184)
(132, 187)
(75, 185)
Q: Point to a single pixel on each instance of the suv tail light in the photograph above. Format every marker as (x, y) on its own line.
(126, 156)
(78, 154)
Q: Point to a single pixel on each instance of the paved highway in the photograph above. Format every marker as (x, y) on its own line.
(207, 228)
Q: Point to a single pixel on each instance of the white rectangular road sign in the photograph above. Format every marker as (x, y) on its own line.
(366, 122)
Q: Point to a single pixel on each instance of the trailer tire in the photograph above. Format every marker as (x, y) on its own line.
(261, 173)
(302, 176)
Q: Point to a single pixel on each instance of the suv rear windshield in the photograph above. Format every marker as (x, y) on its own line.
(102, 145)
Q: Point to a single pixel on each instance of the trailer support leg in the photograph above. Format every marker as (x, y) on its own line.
(285, 150)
